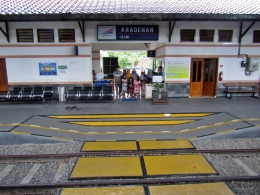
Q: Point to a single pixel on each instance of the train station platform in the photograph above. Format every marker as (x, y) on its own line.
(182, 118)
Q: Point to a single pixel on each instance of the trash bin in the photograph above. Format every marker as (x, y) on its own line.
(61, 91)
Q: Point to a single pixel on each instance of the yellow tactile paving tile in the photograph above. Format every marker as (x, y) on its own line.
(218, 188)
(132, 123)
(109, 145)
(107, 167)
(124, 190)
(165, 144)
(104, 116)
(177, 164)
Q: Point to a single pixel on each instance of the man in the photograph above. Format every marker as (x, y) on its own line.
(117, 77)
(94, 75)
(160, 73)
(134, 74)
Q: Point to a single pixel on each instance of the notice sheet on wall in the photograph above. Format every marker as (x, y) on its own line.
(176, 69)
(47, 68)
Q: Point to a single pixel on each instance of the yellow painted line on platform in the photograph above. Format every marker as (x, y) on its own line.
(107, 146)
(106, 116)
(227, 131)
(122, 190)
(22, 133)
(178, 165)
(62, 138)
(165, 144)
(211, 126)
(132, 123)
(219, 188)
(107, 167)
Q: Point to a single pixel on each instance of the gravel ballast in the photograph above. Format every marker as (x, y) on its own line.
(225, 165)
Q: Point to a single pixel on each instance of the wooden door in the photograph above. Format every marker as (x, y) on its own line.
(3, 76)
(196, 80)
(209, 78)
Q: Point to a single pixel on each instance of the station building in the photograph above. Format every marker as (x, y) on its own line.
(201, 44)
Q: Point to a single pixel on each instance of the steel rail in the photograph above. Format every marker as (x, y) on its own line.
(140, 152)
(133, 182)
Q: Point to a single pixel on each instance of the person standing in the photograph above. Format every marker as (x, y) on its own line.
(149, 76)
(160, 73)
(124, 85)
(137, 87)
(117, 78)
(130, 86)
(134, 74)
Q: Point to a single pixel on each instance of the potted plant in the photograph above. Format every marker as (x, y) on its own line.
(159, 95)
(159, 87)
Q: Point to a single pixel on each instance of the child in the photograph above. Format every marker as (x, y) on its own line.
(143, 87)
(111, 84)
(130, 86)
(137, 86)
(124, 85)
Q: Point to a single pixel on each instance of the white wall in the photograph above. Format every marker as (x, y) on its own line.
(27, 70)
(225, 52)
(91, 31)
(232, 70)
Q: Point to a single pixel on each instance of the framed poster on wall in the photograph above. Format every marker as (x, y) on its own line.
(177, 69)
(47, 68)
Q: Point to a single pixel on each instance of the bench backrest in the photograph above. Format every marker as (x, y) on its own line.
(241, 84)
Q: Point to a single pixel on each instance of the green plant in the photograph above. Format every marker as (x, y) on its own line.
(159, 86)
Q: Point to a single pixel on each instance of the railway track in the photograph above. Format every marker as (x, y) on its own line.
(46, 173)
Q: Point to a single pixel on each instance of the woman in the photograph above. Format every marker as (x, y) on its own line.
(149, 76)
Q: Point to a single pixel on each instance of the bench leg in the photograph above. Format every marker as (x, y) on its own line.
(230, 95)
(254, 95)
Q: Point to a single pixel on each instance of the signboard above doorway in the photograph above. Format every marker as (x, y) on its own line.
(151, 53)
(128, 33)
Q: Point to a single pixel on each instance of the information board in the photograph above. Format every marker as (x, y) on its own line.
(47, 68)
(128, 33)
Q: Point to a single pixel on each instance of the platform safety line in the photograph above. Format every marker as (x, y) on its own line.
(210, 126)
(21, 133)
(227, 131)
(62, 138)
(130, 123)
(108, 116)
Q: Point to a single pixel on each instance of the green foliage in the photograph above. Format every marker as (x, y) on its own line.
(159, 86)
(125, 56)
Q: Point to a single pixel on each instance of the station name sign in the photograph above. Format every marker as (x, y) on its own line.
(128, 33)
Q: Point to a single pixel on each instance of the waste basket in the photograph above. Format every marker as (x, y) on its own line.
(61, 91)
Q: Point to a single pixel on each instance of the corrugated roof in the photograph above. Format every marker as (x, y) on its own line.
(97, 7)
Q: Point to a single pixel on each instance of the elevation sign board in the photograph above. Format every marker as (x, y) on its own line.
(128, 33)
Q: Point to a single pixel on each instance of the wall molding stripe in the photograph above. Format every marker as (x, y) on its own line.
(211, 45)
(48, 83)
(96, 52)
(95, 58)
(205, 56)
(47, 56)
(160, 47)
(45, 45)
(238, 81)
(177, 81)
(206, 45)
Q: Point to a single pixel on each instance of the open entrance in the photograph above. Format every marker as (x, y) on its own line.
(3, 76)
(203, 77)
(131, 60)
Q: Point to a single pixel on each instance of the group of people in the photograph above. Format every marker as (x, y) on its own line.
(131, 84)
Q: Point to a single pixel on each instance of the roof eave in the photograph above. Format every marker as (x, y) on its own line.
(130, 17)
